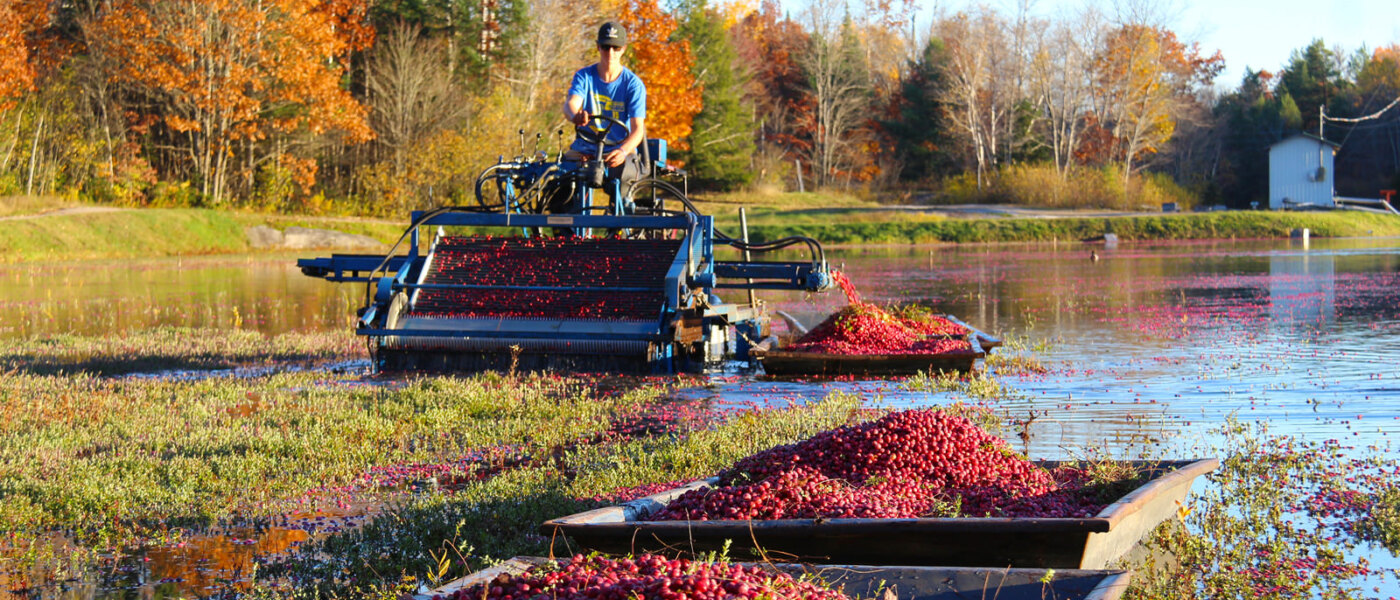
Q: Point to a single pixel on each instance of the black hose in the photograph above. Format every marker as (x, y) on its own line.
(813, 246)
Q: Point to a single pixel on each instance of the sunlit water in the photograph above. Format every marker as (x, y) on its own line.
(1150, 347)
(267, 294)
(1155, 343)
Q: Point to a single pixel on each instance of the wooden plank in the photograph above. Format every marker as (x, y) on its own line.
(904, 582)
(1135, 515)
(780, 362)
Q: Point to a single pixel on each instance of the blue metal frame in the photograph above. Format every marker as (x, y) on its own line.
(692, 269)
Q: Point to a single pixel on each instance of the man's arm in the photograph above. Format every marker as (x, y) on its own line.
(574, 112)
(629, 144)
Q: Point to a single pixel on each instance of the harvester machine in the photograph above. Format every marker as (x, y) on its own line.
(536, 277)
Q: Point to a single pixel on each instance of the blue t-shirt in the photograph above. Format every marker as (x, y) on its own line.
(623, 99)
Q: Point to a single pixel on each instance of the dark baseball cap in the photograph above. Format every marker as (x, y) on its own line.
(612, 34)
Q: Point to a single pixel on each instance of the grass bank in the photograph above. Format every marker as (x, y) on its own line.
(155, 232)
(88, 233)
(841, 226)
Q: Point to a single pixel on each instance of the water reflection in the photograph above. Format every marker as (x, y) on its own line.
(262, 293)
(1155, 344)
(1302, 288)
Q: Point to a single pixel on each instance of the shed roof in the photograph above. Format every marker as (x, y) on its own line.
(1308, 136)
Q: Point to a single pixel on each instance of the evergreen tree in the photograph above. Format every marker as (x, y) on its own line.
(721, 141)
(483, 35)
(1254, 120)
(918, 125)
(1288, 111)
(1314, 78)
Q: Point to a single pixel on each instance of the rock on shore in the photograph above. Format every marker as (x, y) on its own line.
(263, 237)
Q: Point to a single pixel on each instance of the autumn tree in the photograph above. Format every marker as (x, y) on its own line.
(839, 84)
(673, 96)
(721, 140)
(42, 138)
(1379, 81)
(885, 44)
(16, 70)
(554, 46)
(1380, 76)
(773, 46)
(1146, 79)
(30, 45)
(16, 74)
(1369, 127)
(1059, 83)
(412, 93)
(980, 97)
(223, 87)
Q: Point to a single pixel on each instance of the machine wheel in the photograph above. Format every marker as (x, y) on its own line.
(397, 306)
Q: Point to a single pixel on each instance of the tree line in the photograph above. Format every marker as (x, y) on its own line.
(378, 106)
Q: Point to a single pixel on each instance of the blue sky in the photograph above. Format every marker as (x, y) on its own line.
(1262, 35)
(1254, 33)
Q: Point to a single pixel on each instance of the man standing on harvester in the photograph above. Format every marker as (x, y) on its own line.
(609, 89)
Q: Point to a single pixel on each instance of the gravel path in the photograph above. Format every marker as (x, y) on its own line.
(75, 210)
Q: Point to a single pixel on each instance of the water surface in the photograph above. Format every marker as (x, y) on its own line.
(1150, 347)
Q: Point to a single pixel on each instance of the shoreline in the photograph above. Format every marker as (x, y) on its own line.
(157, 233)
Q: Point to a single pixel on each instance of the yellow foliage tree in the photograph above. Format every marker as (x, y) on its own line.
(1145, 77)
(1381, 74)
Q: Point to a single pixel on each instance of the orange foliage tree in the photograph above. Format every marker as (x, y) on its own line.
(673, 95)
(226, 86)
(20, 20)
(773, 46)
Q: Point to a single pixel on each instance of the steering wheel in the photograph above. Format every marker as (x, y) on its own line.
(593, 136)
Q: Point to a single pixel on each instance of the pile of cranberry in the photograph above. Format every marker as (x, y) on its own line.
(646, 576)
(862, 328)
(908, 464)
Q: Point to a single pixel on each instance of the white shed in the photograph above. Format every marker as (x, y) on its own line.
(1300, 172)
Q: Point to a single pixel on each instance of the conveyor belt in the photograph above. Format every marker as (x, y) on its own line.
(546, 278)
(566, 303)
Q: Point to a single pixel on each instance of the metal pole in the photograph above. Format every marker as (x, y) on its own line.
(1321, 141)
(744, 235)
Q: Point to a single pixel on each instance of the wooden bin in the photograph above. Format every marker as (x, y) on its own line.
(785, 363)
(910, 583)
(1059, 543)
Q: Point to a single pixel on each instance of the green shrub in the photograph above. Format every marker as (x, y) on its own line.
(273, 187)
(174, 194)
(1042, 185)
